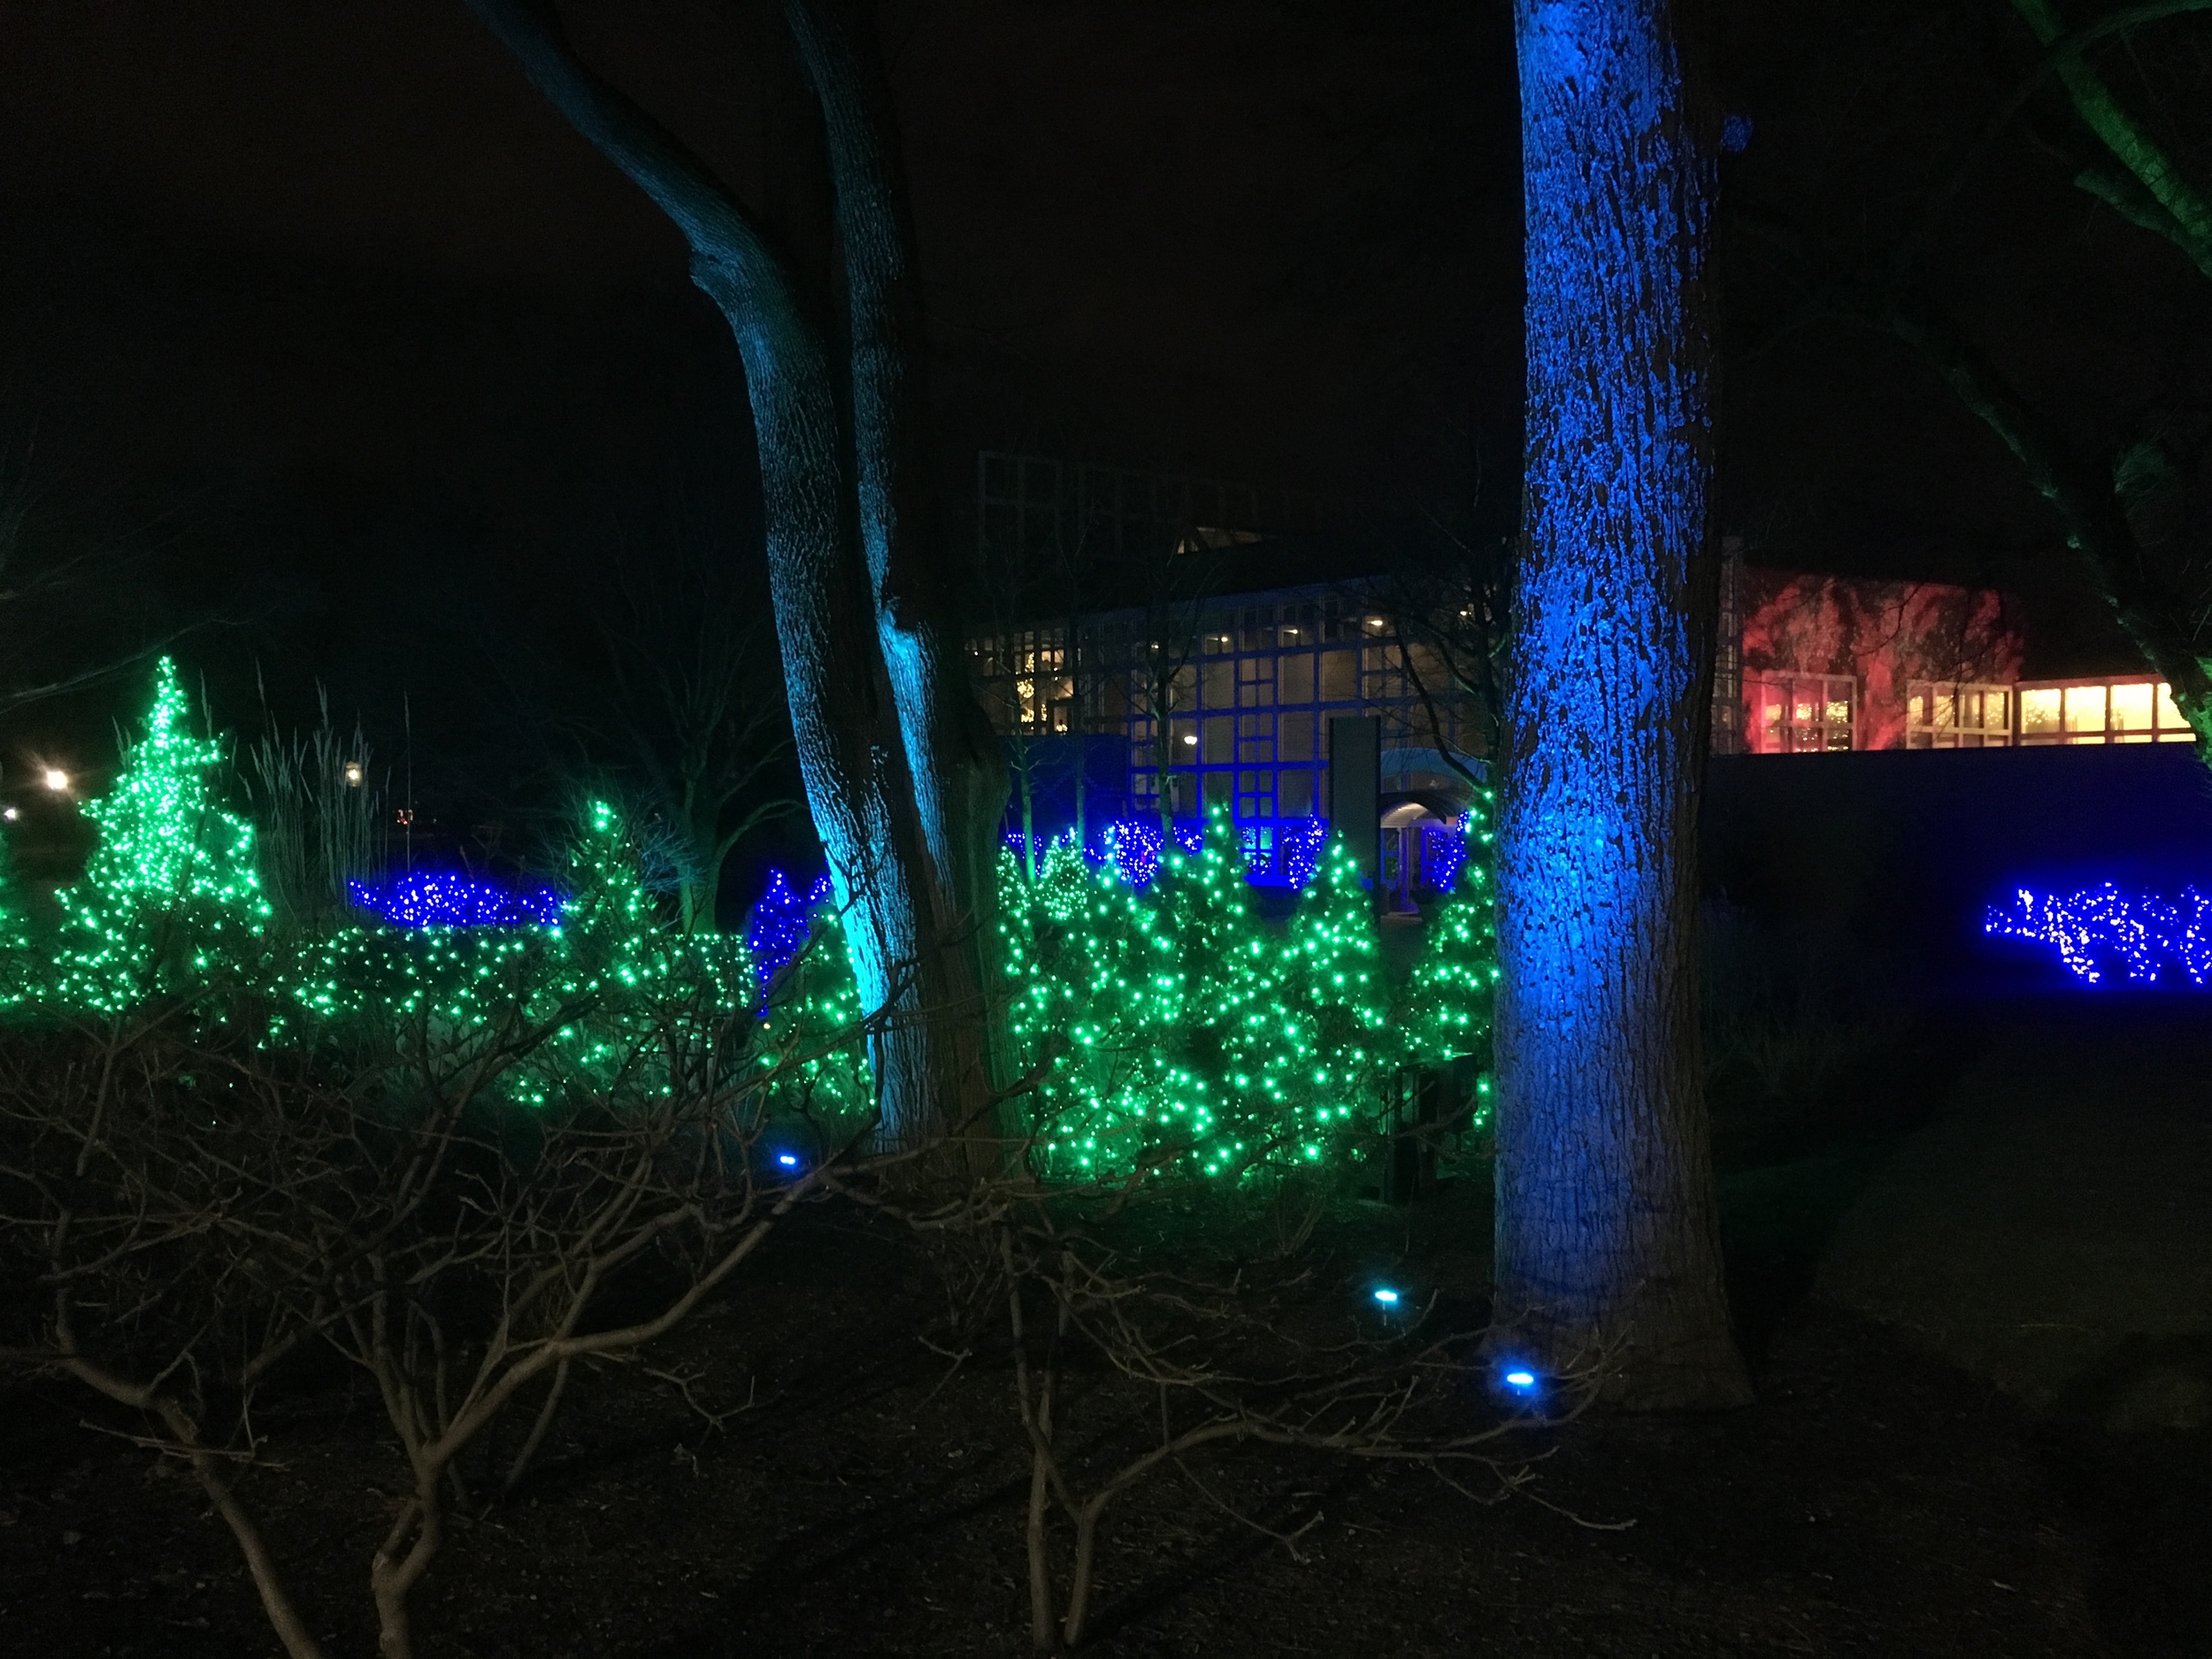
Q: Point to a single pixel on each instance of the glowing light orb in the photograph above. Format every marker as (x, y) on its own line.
(1387, 1297)
(57, 780)
(1520, 1380)
(789, 1160)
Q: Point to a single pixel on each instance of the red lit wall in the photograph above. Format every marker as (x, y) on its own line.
(1881, 632)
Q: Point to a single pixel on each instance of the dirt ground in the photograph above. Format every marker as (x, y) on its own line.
(1878, 1499)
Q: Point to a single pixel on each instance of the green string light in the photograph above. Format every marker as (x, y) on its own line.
(1172, 1026)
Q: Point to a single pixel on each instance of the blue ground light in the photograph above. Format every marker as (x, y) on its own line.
(1387, 1297)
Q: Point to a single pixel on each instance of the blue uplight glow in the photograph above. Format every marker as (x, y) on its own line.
(2095, 930)
(789, 1160)
(1387, 1297)
(1520, 1380)
(447, 898)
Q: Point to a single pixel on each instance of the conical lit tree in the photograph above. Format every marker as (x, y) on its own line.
(1450, 997)
(171, 898)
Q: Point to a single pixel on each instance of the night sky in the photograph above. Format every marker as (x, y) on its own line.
(327, 339)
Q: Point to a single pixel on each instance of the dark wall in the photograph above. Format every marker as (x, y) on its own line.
(1883, 864)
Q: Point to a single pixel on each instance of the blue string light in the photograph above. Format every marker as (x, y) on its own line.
(2094, 929)
(1443, 849)
(778, 927)
(447, 898)
(1134, 846)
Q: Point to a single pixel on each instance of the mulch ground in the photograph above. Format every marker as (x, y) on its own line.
(1874, 1501)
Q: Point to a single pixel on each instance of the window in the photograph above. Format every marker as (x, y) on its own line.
(1221, 705)
(1340, 676)
(2132, 710)
(1946, 714)
(1799, 714)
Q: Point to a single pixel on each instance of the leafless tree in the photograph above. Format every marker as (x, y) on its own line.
(698, 720)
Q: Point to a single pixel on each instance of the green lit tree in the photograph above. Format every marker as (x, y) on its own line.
(171, 897)
(1447, 1006)
(812, 1021)
(1172, 1027)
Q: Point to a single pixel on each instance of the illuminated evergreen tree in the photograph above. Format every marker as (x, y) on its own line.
(812, 1025)
(1447, 1008)
(1183, 1031)
(171, 899)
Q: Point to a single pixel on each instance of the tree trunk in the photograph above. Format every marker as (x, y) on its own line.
(889, 833)
(952, 755)
(1607, 1247)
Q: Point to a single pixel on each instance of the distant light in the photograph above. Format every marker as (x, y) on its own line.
(57, 780)
(1388, 1298)
(1190, 740)
(789, 1160)
(11, 815)
(354, 774)
(1520, 1380)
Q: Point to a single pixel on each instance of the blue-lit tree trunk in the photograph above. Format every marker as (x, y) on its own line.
(899, 768)
(1606, 1237)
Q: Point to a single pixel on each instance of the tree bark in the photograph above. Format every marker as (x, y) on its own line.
(1608, 1249)
(953, 756)
(881, 825)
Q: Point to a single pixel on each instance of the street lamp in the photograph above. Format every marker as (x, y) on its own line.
(57, 780)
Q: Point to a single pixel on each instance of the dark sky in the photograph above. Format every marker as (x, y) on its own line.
(317, 314)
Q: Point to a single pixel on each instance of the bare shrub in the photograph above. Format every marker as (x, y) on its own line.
(463, 1215)
(1173, 1319)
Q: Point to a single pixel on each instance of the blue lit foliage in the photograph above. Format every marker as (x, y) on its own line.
(778, 926)
(2097, 930)
(447, 898)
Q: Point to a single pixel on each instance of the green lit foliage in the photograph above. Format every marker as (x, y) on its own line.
(17, 939)
(1174, 1028)
(1170, 1027)
(171, 898)
(1447, 1007)
(171, 904)
(811, 1024)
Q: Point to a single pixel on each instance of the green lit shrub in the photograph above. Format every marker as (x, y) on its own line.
(1172, 1027)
